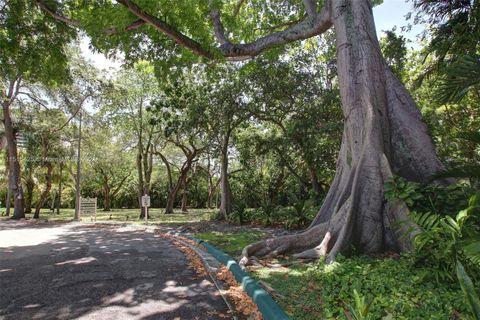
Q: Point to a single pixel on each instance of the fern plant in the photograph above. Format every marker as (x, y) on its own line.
(444, 239)
(462, 76)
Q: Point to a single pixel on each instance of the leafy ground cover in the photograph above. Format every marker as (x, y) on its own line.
(396, 288)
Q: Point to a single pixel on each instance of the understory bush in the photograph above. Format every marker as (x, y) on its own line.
(448, 223)
(296, 216)
(391, 288)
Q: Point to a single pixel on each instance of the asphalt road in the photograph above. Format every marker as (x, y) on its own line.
(86, 272)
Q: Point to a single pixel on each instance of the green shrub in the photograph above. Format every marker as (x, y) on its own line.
(443, 239)
(399, 290)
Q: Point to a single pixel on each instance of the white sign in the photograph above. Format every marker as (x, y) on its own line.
(145, 201)
(89, 206)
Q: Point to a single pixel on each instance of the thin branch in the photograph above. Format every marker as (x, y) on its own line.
(114, 193)
(31, 96)
(75, 23)
(165, 28)
(57, 16)
(134, 25)
(282, 25)
(73, 115)
(236, 11)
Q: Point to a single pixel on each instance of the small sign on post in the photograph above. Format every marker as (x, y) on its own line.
(89, 206)
(146, 205)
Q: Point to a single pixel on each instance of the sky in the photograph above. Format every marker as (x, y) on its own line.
(388, 15)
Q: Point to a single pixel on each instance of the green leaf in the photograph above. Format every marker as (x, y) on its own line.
(468, 289)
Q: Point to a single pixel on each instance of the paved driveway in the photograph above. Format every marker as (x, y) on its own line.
(90, 272)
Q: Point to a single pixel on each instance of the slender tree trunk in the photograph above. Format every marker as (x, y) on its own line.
(171, 198)
(78, 193)
(141, 185)
(226, 202)
(187, 165)
(15, 183)
(7, 202)
(316, 187)
(59, 202)
(29, 186)
(383, 134)
(209, 184)
(48, 187)
(184, 199)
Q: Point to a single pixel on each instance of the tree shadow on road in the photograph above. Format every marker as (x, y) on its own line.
(81, 272)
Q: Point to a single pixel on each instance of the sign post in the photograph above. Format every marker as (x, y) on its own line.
(146, 204)
(89, 206)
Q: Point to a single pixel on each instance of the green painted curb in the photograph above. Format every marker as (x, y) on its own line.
(268, 307)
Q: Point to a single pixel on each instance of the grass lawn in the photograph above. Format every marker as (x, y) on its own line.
(129, 215)
(231, 242)
(314, 291)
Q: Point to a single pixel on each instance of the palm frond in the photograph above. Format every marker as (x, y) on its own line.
(461, 77)
(472, 136)
(465, 171)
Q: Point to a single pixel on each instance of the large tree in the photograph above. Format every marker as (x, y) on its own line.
(383, 134)
(32, 50)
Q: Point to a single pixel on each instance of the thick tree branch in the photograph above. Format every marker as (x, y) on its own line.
(313, 25)
(165, 28)
(310, 7)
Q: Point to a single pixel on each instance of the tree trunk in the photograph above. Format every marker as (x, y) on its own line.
(48, 187)
(226, 202)
(8, 196)
(171, 199)
(78, 192)
(107, 202)
(209, 184)
(29, 186)
(316, 187)
(141, 185)
(184, 200)
(59, 202)
(7, 202)
(383, 134)
(15, 183)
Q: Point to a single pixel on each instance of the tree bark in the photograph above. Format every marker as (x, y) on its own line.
(107, 202)
(48, 187)
(29, 186)
(383, 135)
(226, 201)
(15, 183)
(78, 192)
(8, 198)
(59, 202)
(184, 199)
(316, 187)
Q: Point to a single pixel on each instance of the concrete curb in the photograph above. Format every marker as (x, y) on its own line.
(268, 307)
